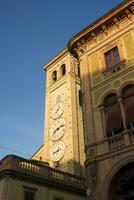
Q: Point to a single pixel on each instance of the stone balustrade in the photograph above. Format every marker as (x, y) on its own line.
(121, 140)
(12, 163)
(111, 144)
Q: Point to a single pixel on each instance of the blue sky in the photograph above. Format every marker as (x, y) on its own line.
(33, 32)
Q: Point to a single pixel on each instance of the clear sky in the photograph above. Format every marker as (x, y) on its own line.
(31, 33)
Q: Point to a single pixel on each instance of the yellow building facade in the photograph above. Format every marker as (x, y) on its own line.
(105, 51)
(88, 148)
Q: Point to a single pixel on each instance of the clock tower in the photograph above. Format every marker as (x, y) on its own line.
(63, 146)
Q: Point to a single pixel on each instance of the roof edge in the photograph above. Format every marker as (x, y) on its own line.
(97, 22)
(56, 58)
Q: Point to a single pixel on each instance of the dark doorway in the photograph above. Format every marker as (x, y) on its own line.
(122, 184)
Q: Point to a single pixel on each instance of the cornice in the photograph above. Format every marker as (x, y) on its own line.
(40, 173)
(40, 181)
(101, 28)
(56, 59)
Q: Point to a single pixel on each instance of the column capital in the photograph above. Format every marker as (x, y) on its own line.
(120, 100)
(102, 108)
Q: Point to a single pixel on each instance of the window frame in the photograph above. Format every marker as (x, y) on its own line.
(110, 101)
(127, 97)
(54, 75)
(80, 97)
(78, 70)
(30, 190)
(30, 195)
(58, 198)
(111, 54)
(63, 70)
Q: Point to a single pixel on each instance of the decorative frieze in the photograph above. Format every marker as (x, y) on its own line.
(116, 22)
(129, 14)
(103, 31)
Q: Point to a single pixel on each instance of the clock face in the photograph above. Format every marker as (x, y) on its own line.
(57, 110)
(58, 128)
(57, 151)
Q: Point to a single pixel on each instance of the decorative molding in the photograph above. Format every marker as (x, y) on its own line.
(129, 14)
(116, 22)
(132, 9)
(115, 69)
(92, 151)
(101, 32)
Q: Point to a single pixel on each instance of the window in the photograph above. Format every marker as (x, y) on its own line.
(128, 91)
(115, 119)
(63, 69)
(114, 123)
(80, 98)
(79, 70)
(58, 198)
(128, 102)
(112, 57)
(54, 76)
(29, 195)
(40, 158)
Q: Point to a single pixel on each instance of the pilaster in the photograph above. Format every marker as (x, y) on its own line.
(87, 102)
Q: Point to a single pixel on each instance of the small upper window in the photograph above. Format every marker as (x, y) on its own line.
(79, 70)
(112, 57)
(128, 101)
(80, 98)
(58, 198)
(63, 69)
(54, 75)
(29, 195)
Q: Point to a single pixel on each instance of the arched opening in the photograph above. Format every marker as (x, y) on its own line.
(63, 69)
(122, 184)
(113, 117)
(128, 102)
(54, 75)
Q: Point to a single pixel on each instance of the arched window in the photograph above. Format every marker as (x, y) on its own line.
(113, 115)
(54, 75)
(63, 69)
(128, 101)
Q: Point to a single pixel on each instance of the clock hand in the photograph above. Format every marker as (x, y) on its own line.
(58, 128)
(57, 110)
(55, 152)
(62, 125)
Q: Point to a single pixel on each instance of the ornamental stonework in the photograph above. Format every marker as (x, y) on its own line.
(104, 31)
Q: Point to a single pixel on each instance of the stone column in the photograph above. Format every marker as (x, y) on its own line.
(122, 112)
(103, 119)
(126, 136)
